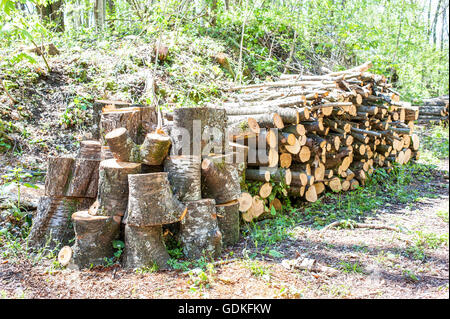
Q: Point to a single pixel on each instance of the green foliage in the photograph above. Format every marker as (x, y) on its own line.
(77, 112)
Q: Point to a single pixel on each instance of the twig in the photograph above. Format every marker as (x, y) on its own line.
(7, 92)
(358, 225)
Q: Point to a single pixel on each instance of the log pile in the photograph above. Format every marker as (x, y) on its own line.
(434, 110)
(145, 179)
(312, 133)
(127, 186)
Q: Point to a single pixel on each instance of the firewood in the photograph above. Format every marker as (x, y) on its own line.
(151, 201)
(93, 238)
(112, 197)
(51, 225)
(200, 234)
(228, 221)
(184, 174)
(73, 177)
(220, 178)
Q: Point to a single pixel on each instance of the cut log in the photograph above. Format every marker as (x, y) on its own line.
(71, 177)
(198, 131)
(52, 226)
(144, 247)
(184, 173)
(245, 202)
(112, 197)
(200, 234)
(152, 151)
(151, 201)
(228, 221)
(137, 120)
(93, 238)
(220, 178)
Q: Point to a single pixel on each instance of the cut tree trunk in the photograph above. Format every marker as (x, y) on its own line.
(151, 201)
(52, 226)
(200, 234)
(220, 178)
(72, 177)
(137, 120)
(184, 173)
(152, 151)
(144, 247)
(228, 219)
(198, 131)
(93, 238)
(112, 197)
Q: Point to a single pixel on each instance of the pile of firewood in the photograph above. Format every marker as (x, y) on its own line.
(180, 174)
(318, 132)
(127, 186)
(434, 110)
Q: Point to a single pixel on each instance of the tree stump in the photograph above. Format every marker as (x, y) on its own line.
(52, 224)
(112, 196)
(184, 175)
(198, 131)
(151, 201)
(93, 238)
(220, 178)
(200, 234)
(144, 246)
(228, 220)
(71, 177)
(90, 150)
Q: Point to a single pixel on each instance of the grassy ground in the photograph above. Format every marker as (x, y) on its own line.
(408, 260)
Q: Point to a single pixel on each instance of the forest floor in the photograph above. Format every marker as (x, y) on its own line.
(411, 261)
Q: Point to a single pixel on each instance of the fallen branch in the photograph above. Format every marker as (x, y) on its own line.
(358, 225)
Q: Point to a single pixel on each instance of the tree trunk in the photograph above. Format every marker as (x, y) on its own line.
(184, 173)
(112, 198)
(228, 220)
(144, 247)
(220, 178)
(200, 234)
(151, 201)
(93, 238)
(198, 131)
(73, 177)
(52, 225)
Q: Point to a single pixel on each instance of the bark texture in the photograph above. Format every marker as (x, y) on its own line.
(151, 201)
(144, 246)
(200, 234)
(52, 225)
(184, 175)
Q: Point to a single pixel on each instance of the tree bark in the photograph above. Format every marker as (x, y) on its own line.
(52, 226)
(200, 234)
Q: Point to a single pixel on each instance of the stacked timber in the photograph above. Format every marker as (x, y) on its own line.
(310, 133)
(434, 110)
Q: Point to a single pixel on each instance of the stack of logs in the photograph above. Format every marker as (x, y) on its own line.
(318, 132)
(128, 186)
(434, 110)
(182, 175)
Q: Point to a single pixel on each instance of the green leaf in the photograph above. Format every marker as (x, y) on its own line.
(30, 185)
(276, 254)
(273, 211)
(118, 244)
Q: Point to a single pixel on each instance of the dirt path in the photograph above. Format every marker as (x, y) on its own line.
(371, 263)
